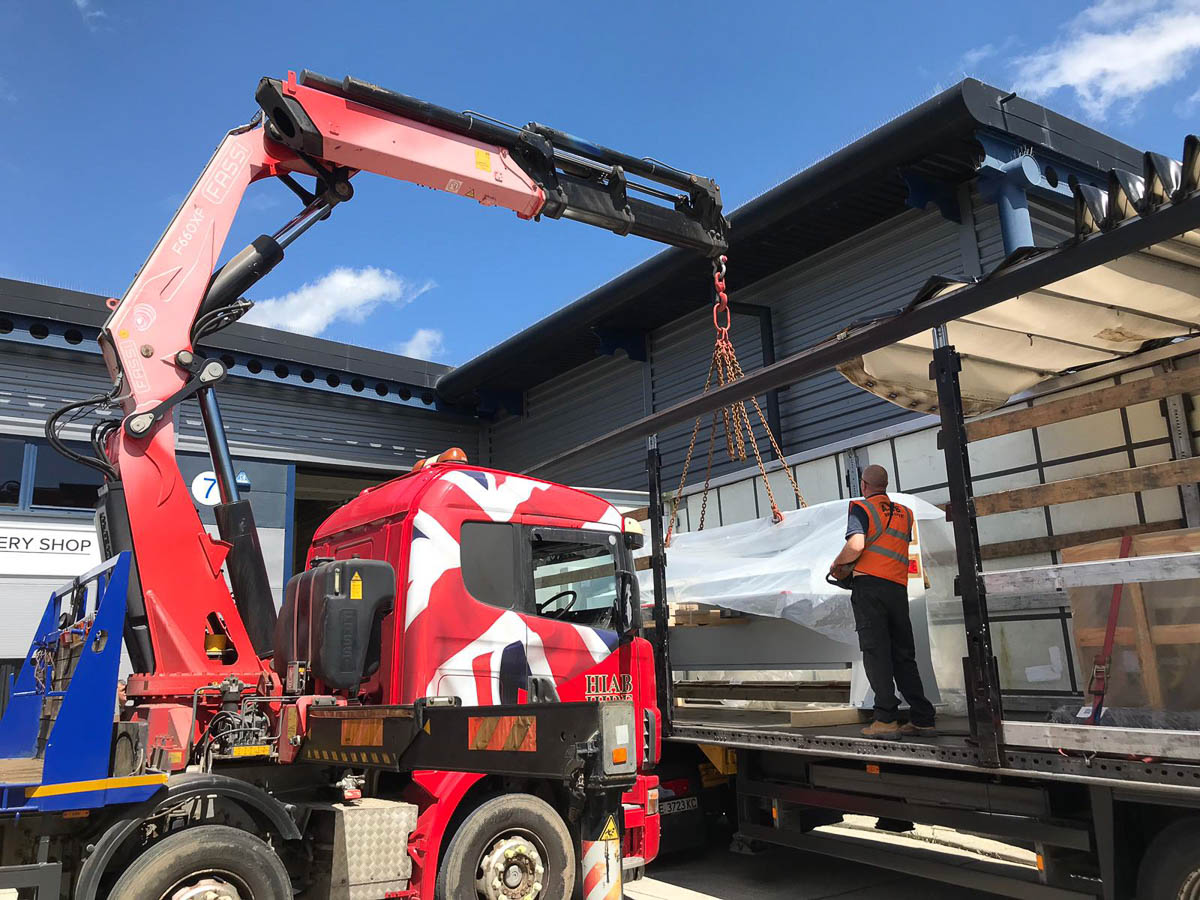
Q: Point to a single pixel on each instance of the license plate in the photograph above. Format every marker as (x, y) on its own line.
(681, 804)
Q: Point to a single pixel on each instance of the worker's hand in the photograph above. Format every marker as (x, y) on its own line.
(842, 571)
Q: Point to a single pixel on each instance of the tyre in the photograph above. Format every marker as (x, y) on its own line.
(515, 845)
(208, 862)
(1170, 870)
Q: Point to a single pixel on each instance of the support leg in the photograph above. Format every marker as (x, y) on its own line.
(600, 846)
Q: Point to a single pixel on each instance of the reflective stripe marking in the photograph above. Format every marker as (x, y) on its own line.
(517, 733)
(903, 535)
(876, 523)
(890, 554)
(99, 784)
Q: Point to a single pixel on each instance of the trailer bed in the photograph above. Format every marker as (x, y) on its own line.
(949, 750)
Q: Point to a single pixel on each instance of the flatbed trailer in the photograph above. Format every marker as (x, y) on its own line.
(1109, 811)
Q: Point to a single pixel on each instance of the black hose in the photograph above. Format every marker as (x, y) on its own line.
(80, 408)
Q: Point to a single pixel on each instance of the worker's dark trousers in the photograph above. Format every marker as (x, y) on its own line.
(885, 635)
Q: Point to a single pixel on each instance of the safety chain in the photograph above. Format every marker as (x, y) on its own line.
(733, 419)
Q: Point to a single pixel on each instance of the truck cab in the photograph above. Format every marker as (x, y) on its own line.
(509, 589)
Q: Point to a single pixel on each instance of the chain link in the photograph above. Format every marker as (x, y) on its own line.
(734, 418)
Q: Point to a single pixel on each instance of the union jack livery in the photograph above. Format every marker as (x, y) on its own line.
(511, 590)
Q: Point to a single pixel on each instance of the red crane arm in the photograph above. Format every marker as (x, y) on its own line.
(185, 619)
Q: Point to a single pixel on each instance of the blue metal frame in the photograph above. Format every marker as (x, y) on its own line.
(76, 770)
(1010, 171)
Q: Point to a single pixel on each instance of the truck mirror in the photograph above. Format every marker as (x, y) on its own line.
(626, 599)
(634, 540)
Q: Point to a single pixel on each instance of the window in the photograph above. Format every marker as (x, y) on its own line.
(575, 577)
(63, 483)
(489, 555)
(558, 573)
(12, 458)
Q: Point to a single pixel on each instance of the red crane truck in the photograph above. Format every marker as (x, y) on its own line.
(442, 707)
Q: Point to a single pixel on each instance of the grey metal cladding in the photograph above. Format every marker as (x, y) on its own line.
(36, 381)
(567, 410)
(872, 274)
(281, 421)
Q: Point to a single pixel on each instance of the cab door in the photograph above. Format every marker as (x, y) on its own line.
(573, 613)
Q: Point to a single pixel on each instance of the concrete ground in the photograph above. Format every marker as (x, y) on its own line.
(782, 874)
(778, 873)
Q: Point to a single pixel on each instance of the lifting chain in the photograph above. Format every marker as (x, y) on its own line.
(734, 419)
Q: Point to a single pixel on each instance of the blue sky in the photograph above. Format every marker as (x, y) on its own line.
(110, 108)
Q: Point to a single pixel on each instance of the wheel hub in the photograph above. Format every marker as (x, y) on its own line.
(511, 870)
(208, 889)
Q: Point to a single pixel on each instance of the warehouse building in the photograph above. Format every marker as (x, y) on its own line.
(310, 424)
(950, 187)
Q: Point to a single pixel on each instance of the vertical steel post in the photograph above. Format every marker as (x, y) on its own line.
(982, 681)
(658, 571)
(600, 844)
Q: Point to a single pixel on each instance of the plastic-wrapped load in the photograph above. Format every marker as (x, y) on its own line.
(778, 570)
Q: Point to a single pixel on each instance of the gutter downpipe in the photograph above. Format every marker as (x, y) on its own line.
(1006, 186)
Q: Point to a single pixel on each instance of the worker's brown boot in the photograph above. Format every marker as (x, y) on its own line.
(882, 731)
(908, 729)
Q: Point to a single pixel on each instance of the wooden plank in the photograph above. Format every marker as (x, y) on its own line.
(1144, 646)
(1137, 742)
(1089, 487)
(1175, 634)
(1132, 570)
(1124, 636)
(1094, 637)
(1180, 540)
(1030, 546)
(695, 618)
(21, 770)
(1180, 381)
(831, 715)
(573, 576)
(775, 691)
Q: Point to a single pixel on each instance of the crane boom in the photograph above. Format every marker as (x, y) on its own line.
(183, 620)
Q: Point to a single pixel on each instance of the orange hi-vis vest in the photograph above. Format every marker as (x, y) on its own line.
(888, 537)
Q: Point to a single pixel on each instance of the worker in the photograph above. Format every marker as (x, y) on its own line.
(878, 532)
(122, 699)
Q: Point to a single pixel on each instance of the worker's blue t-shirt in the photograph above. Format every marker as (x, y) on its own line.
(856, 522)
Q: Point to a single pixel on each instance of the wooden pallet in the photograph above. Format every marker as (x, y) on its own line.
(821, 716)
(693, 615)
(1143, 626)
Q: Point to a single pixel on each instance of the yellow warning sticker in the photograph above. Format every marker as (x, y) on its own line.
(470, 193)
(251, 750)
(610, 832)
(355, 586)
(483, 161)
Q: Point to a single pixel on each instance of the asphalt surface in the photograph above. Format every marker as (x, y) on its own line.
(779, 873)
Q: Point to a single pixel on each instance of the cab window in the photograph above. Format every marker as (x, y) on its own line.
(575, 576)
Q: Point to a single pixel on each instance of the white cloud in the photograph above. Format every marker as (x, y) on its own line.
(344, 295)
(91, 14)
(1189, 106)
(1116, 51)
(426, 343)
(976, 55)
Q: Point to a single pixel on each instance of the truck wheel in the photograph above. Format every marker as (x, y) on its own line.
(1170, 870)
(208, 862)
(514, 845)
